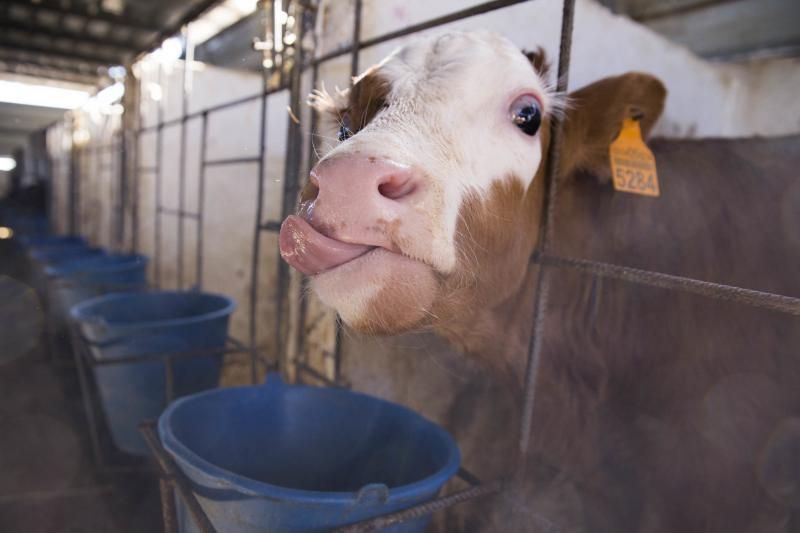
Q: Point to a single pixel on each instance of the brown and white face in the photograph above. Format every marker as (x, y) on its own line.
(427, 205)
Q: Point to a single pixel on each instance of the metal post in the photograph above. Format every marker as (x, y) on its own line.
(157, 181)
(255, 259)
(175, 477)
(169, 380)
(201, 194)
(168, 506)
(79, 352)
(545, 234)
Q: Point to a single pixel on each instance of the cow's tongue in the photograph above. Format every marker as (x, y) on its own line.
(311, 252)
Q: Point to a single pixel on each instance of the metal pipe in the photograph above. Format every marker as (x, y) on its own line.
(415, 28)
(231, 161)
(545, 234)
(764, 300)
(201, 199)
(79, 352)
(168, 506)
(176, 478)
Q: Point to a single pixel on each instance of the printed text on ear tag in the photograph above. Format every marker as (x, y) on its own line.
(633, 166)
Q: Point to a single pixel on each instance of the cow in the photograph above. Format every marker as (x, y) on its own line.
(425, 217)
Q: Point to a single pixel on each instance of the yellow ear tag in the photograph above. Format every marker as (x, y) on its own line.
(633, 165)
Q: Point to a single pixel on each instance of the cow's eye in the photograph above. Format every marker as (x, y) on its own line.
(526, 114)
(345, 127)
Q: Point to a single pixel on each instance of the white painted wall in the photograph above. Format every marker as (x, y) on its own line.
(231, 191)
(705, 99)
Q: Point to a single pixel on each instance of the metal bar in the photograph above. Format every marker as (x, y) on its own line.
(157, 185)
(136, 178)
(58, 8)
(56, 33)
(417, 511)
(270, 225)
(312, 160)
(215, 108)
(730, 293)
(231, 161)
(182, 160)
(94, 60)
(163, 356)
(201, 195)
(414, 28)
(79, 351)
(255, 258)
(468, 477)
(168, 506)
(545, 234)
(357, 46)
(178, 212)
(169, 380)
(176, 478)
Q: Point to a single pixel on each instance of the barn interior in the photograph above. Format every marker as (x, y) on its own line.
(176, 134)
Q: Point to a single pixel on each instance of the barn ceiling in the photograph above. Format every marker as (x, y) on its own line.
(722, 29)
(77, 41)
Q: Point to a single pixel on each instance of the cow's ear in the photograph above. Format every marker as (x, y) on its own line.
(594, 118)
(538, 60)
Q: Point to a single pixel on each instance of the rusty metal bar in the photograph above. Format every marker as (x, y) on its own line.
(730, 293)
(173, 475)
(417, 511)
(168, 506)
(545, 234)
(486, 7)
(79, 351)
(169, 380)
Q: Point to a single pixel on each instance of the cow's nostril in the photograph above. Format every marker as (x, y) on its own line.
(396, 187)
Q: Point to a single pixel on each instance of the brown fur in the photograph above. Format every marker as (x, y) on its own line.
(656, 411)
(365, 99)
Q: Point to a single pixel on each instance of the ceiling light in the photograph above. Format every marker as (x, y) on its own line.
(15, 92)
(7, 164)
(172, 48)
(111, 94)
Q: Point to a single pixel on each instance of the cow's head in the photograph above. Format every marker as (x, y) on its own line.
(429, 205)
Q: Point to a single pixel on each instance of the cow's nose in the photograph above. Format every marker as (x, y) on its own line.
(357, 196)
(365, 177)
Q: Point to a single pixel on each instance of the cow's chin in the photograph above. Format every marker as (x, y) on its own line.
(380, 293)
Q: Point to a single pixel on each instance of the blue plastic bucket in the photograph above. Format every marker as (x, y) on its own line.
(46, 240)
(42, 256)
(80, 279)
(50, 254)
(141, 324)
(285, 458)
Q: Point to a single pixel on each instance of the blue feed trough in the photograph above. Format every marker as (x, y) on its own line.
(139, 324)
(285, 458)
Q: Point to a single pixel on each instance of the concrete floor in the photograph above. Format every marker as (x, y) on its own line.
(48, 481)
